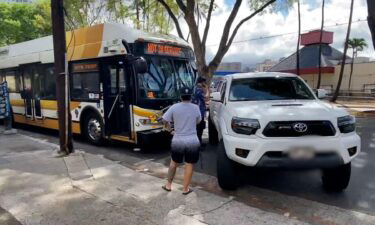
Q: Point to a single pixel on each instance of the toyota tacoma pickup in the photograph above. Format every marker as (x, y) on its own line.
(275, 120)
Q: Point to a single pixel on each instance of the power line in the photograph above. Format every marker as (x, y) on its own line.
(290, 33)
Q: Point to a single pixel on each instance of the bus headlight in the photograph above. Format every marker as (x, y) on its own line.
(346, 124)
(245, 126)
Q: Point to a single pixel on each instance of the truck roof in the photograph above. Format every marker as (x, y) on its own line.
(260, 74)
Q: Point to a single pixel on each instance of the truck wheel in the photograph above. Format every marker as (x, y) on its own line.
(336, 179)
(226, 170)
(93, 129)
(213, 136)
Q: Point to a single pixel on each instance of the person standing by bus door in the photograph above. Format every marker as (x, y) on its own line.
(185, 143)
(199, 98)
(5, 108)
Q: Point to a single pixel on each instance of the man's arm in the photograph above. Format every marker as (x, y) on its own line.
(198, 114)
(167, 119)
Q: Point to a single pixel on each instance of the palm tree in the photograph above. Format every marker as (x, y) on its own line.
(320, 48)
(299, 36)
(336, 94)
(357, 44)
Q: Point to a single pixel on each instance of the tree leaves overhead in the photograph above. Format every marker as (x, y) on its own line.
(146, 15)
(23, 22)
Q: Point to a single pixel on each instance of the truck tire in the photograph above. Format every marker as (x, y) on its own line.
(336, 179)
(93, 129)
(227, 175)
(213, 136)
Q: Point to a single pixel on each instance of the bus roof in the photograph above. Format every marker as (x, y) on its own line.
(84, 43)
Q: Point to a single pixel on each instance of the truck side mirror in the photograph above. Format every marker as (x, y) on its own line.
(215, 96)
(140, 65)
(321, 93)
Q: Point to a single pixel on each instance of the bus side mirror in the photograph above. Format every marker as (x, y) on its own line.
(140, 65)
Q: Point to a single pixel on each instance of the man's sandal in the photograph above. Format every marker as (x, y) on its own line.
(165, 188)
(188, 192)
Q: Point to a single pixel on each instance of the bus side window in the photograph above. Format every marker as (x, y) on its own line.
(48, 75)
(13, 81)
(86, 86)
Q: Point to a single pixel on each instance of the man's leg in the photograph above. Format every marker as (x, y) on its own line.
(171, 173)
(200, 128)
(188, 173)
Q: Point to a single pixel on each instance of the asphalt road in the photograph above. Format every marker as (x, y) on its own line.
(359, 196)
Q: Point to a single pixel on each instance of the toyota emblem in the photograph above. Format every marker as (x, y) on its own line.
(300, 127)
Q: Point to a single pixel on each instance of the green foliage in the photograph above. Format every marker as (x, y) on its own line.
(148, 15)
(23, 22)
(276, 7)
(357, 44)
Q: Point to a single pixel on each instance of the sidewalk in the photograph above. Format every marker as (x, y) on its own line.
(358, 108)
(37, 187)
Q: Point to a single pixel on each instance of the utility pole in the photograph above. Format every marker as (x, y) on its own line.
(62, 77)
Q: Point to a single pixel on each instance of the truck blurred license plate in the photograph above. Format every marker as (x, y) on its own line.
(301, 153)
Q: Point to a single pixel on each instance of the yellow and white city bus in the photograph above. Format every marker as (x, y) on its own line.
(109, 99)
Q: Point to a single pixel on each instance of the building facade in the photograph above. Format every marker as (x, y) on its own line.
(363, 78)
(265, 65)
(228, 68)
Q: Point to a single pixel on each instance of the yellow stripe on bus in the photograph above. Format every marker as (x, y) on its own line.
(45, 123)
(45, 104)
(17, 102)
(52, 104)
(143, 112)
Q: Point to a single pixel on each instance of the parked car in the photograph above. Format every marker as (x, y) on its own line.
(275, 120)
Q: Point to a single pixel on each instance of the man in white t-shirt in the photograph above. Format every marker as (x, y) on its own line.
(185, 143)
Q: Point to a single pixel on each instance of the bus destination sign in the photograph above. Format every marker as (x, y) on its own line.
(162, 49)
(85, 67)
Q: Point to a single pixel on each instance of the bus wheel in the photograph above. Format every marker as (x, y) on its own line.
(93, 129)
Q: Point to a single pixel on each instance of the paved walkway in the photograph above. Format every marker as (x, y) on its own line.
(37, 187)
(358, 108)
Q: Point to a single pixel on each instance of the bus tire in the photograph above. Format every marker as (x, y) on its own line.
(213, 136)
(93, 128)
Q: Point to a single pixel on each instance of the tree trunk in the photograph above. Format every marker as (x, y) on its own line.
(137, 15)
(336, 94)
(299, 37)
(351, 71)
(371, 18)
(320, 48)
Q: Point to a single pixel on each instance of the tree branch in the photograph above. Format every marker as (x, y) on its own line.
(225, 44)
(174, 18)
(246, 19)
(181, 5)
(207, 27)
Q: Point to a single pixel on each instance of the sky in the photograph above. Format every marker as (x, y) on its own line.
(250, 52)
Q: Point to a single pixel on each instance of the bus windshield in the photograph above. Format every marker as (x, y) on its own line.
(165, 77)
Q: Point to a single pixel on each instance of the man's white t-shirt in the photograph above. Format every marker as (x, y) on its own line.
(185, 117)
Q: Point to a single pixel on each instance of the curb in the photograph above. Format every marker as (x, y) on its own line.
(364, 114)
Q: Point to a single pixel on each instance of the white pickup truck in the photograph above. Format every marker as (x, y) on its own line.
(275, 120)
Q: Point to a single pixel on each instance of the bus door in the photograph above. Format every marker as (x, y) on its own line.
(116, 98)
(32, 85)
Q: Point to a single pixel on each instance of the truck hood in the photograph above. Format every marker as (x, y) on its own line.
(286, 110)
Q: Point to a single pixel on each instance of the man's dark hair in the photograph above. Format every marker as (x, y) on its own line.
(186, 97)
